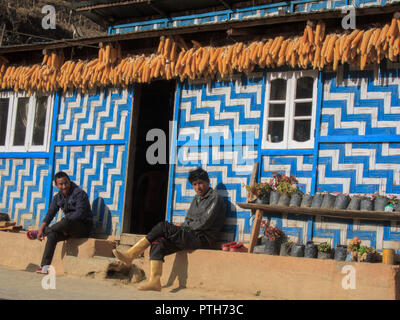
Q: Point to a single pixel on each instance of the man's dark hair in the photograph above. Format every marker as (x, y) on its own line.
(197, 174)
(61, 174)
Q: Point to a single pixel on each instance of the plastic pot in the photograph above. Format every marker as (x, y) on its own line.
(397, 207)
(317, 201)
(259, 249)
(380, 203)
(285, 250)
(366, 204)
(295, 200)
(272, 247)
(341, 201)
(324, 255)
(284, 200)
(274, 197)
(328, 201)
(311, 250)
(369, 258)
(354, 204)
(297, 250)
(263, 199)
(307, 200)
(340, 253)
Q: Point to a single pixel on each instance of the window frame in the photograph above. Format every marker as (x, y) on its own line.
(291, 78)
(12, 119)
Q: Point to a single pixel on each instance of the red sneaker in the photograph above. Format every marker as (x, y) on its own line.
(227, 246)
(32, 234)
(239, 247)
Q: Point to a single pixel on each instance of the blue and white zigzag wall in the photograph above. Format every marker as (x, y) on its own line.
(89, 142)
(357, 150)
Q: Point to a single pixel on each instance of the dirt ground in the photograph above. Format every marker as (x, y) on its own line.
(24, 285)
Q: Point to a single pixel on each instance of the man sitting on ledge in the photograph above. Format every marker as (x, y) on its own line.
(203, 221)
(77, 223)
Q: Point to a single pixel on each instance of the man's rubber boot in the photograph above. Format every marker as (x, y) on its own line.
(154, 282)
(133, 253)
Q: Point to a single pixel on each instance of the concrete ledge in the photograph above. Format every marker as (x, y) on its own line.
(17, 251)
(281, 277)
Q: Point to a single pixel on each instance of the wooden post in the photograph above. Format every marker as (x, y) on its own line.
(256, 229)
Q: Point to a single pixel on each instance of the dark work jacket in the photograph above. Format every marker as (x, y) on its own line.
(75, 206)
(207, 215)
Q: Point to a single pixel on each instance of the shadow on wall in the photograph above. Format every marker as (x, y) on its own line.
(102, 220)
(229, 232)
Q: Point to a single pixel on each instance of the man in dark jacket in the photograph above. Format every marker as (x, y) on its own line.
(76, 223)
(203, 221)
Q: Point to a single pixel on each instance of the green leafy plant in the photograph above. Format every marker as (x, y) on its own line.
(258, 189)
(377, 195)
(283, 184)
(363, 252)
(324, 247)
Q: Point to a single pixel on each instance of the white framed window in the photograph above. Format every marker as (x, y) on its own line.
(289, 113)
(25, 122)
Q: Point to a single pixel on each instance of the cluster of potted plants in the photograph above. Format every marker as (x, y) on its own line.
(275, 242)
(282, 190)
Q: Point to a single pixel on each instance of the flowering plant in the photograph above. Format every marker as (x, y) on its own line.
(272, 233)
(377, 195)
(354, 244)
(392, 199)
(283, 184)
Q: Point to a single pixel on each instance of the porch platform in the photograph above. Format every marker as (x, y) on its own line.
(280, 277)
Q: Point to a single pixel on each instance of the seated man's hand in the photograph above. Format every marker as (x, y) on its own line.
(40, 235)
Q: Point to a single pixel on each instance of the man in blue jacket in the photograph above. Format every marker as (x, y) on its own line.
(200, 229)
(76, 223)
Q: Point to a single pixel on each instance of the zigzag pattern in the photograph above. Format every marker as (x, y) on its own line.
(360, 105)
(218, 111)
(297, 166)
(359, 168)
(228, 177)
(23, 183)
(100, 171)
(103, 116)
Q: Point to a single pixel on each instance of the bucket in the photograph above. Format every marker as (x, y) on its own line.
(388, 256)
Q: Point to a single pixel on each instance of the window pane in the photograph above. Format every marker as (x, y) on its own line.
(20, 122)
(276, 110)
(40, 121)
(303, 109)
(278, 89)
(275, 131)
(302, 130)
(304, 88)
(3, 120)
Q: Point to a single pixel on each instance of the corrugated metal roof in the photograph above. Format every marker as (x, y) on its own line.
(108, 12)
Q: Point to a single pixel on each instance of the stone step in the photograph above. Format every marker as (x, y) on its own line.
(130, 238)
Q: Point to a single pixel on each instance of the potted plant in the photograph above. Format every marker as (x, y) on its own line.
(380, 201)
(328, 201)
(352, 249)
(306, 201)
(297, 250)
(342, 200)
(317, 199)
(285, 186)
(366, 254)
(324, 251)
(394, 202)
(296, 198)
(310, 250)
(274, 237)
(354, 203)
(259, 192)
(340, 252)
(285, 248)
(367, 203)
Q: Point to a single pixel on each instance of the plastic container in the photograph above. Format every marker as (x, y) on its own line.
(341, 201)
(296, 199)
(297, 250)
(274, 197)
(272, 247)
(284, 200)
(307, 200)
(324, 255)
(354, 203)
(340, 253)
(317, 201)
(311, 250)
(328, 201)
(388, 256)
(366, 204)
(263, 199)
(380, 203)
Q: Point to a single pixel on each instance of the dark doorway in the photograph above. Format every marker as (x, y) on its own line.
(155, 104)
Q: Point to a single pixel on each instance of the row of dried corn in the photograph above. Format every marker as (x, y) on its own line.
(312, 49)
